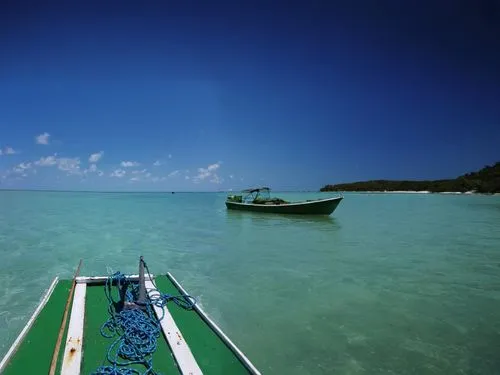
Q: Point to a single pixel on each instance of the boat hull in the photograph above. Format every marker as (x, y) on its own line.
(316, 207)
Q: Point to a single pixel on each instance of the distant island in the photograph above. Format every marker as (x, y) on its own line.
(486, 180)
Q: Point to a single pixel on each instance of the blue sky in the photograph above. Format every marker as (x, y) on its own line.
(199, 95)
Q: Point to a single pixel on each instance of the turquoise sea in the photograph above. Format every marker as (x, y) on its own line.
(389, 284)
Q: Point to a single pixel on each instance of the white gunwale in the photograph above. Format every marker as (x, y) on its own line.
(73, 350)
(28, 325)
(178, 345)
(246, 362)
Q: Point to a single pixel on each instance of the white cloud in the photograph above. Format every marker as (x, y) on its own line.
(213, 167)
(210, 171)
(70, 165)
(155, 179)
(216, 179)
(8, 151)
(203, 173)
(118, 173)
(128, 164)
(25, 165)
(92, 169)
(231, 176)
(21, 168)
(157, 163)
(42, 139)
(94, 158)
(47, 161)
(186, 177)
(170, 156)
(140, 174)
(173, 173)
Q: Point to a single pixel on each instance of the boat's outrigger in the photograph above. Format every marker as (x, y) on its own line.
(124, 324)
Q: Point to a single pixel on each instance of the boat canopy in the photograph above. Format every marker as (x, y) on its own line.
(256, 190)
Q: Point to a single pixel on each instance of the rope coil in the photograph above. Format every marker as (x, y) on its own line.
(134, 329)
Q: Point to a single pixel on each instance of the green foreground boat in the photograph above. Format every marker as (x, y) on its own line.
(259, 200)
(122, 324)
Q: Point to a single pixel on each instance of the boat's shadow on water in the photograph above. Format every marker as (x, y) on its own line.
(320, 222)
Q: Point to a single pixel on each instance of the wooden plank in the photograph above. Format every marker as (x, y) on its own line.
(55, 353)
(74, 340)
(28, 325)
(102, 279)
(179, 347)
(249, 365)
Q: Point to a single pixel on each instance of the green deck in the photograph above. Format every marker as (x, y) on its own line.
(35, 352)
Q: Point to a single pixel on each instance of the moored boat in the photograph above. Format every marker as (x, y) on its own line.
(122, 324)
(259, 200)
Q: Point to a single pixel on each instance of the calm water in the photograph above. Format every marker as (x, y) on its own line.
(389, 284)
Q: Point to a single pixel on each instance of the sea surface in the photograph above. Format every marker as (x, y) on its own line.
(388, 284)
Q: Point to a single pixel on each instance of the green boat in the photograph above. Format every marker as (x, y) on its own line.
(259, 200)
(122, 324)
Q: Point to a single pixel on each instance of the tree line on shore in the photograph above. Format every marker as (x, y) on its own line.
(486, 180)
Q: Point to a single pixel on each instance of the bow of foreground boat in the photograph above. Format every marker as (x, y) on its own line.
(109, 329)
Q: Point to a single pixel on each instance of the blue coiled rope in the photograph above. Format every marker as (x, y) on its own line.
(135, 331)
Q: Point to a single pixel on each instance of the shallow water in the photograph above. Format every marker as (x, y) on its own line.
(389, 284)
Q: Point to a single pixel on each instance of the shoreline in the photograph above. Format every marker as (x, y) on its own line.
(484, 181)
(412, 192)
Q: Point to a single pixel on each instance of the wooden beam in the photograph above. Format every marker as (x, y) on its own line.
(55, 353)
(102, 279)
(28, 325)
(74, 340)
(179, 347)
